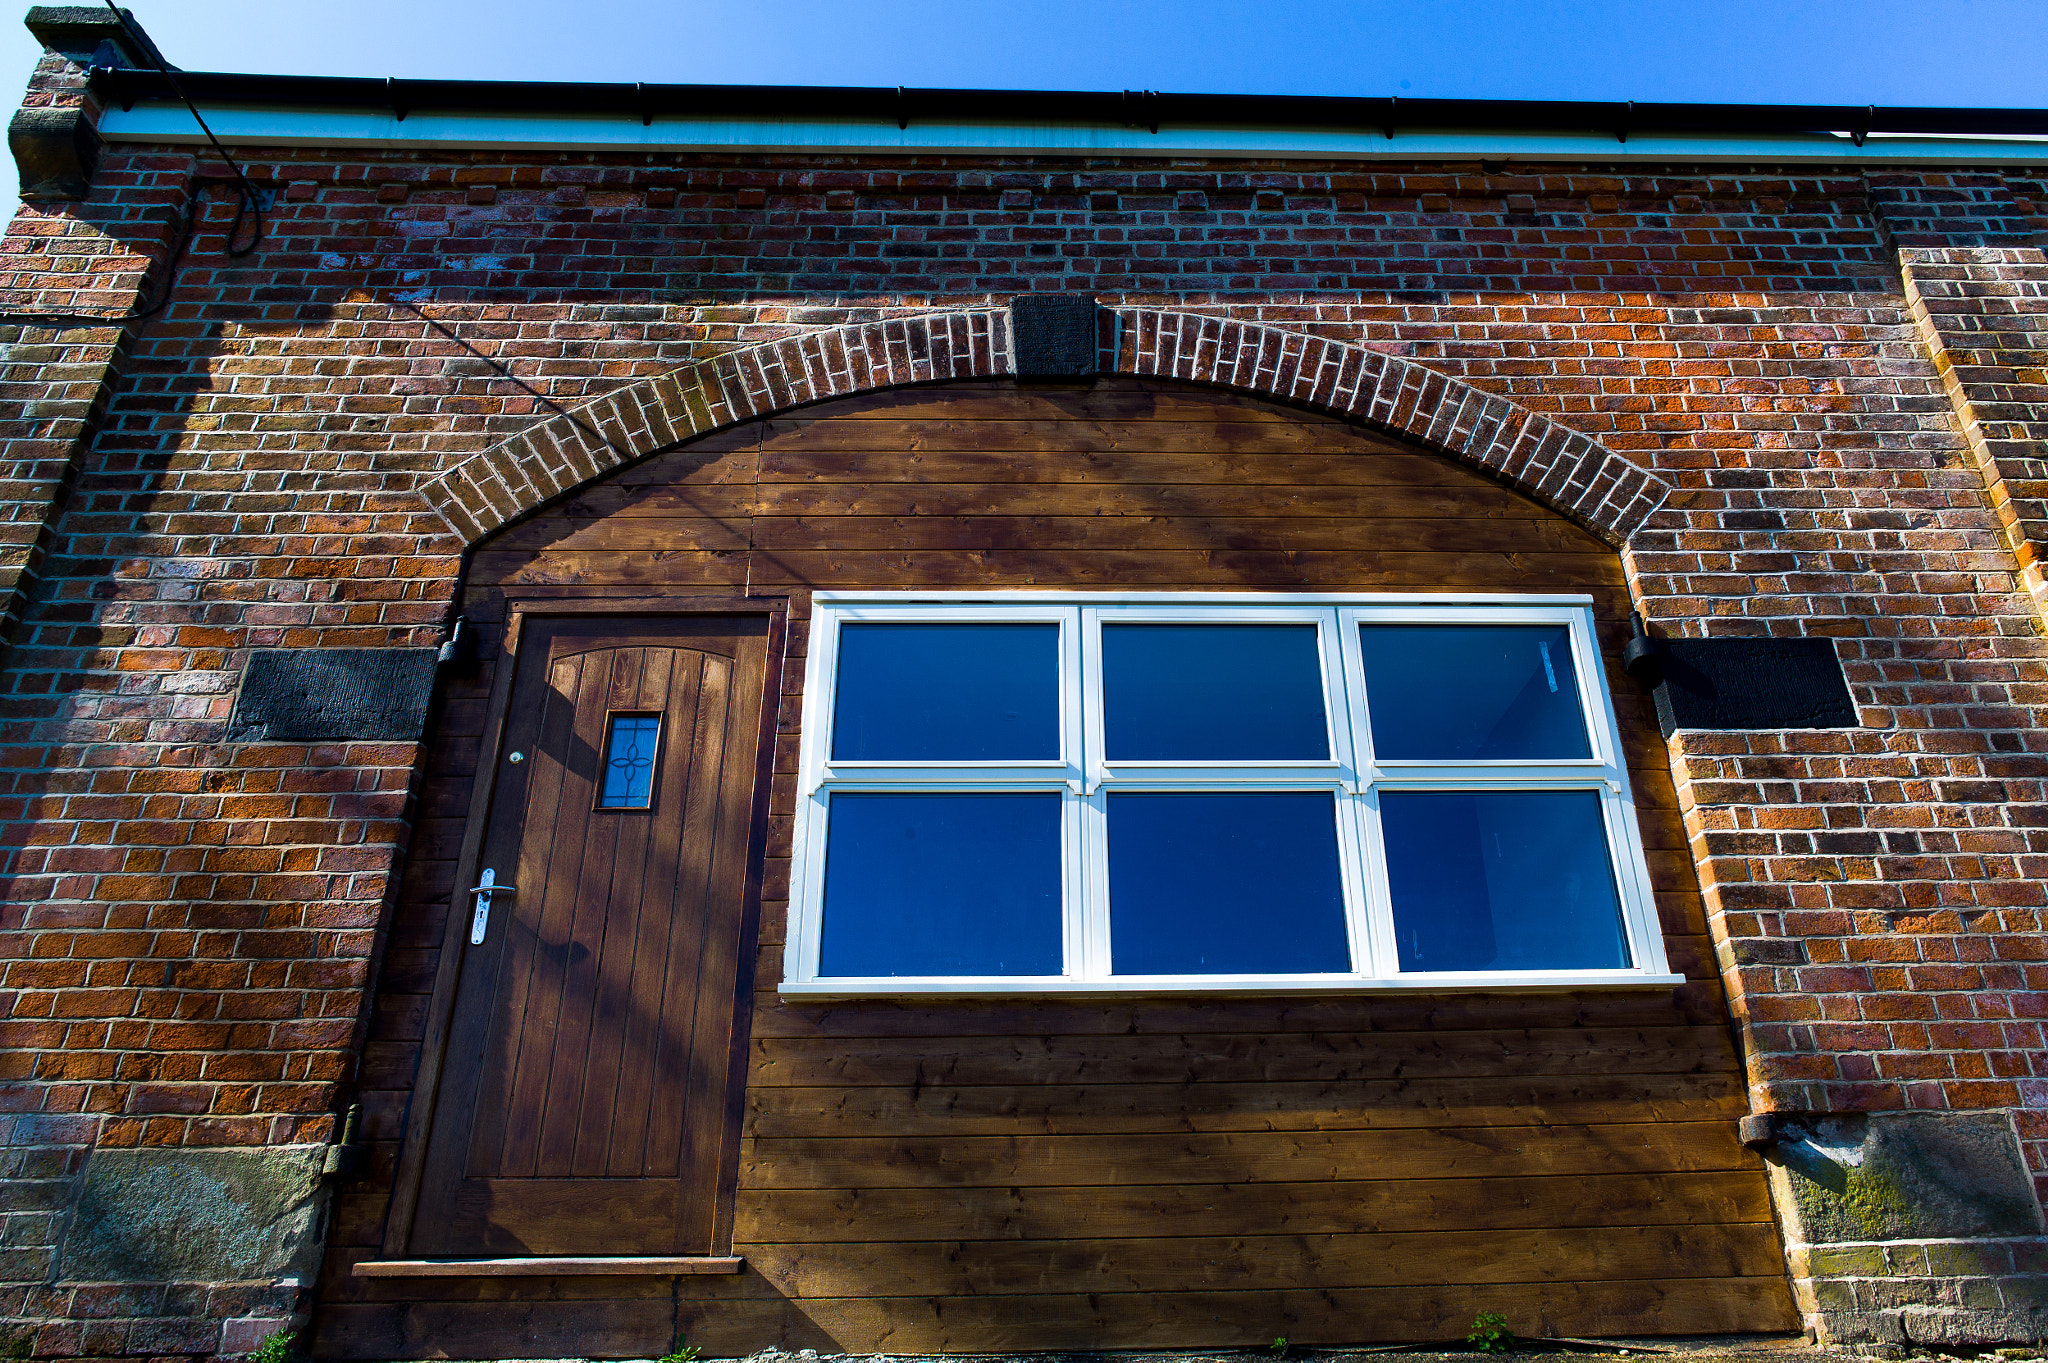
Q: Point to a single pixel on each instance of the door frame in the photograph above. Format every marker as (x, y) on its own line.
(519, 608)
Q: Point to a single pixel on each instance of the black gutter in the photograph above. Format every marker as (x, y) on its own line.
(1130, 108)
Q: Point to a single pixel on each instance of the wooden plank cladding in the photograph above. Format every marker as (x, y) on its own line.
(1174, 1173)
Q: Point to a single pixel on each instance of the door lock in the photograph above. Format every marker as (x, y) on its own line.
(480, 921)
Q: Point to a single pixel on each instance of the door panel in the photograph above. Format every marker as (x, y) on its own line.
(583, 1107)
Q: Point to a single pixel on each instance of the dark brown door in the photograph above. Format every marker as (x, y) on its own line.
(584, 1101)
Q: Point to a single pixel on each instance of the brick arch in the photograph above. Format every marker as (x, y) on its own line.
(1549, 462)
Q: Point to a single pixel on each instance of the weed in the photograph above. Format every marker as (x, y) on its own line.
(277, 1349)
(1279, 1346)
(682, 1353)
(1490, 1334)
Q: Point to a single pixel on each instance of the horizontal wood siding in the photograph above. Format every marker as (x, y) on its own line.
(1008, 1175)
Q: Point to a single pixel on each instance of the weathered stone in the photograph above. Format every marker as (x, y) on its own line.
(1053, 336)
(197, 1215)
(90, 35)
(55, 152)
(1847, 1261)
(1962, 1326)
(1905, 1176)
(293, 694)
(1964, 1259)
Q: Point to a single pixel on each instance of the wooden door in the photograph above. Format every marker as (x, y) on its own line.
(586, 1103)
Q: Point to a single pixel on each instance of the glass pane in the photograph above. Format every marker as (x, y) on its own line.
(1473, 693)
(1502, 880)
(1225, 885)
(630, 745)
(1212, 693)
(947, 693)
(942, 884)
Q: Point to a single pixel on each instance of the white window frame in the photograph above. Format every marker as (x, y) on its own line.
(1084, 779)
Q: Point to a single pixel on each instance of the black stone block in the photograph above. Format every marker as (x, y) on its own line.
(90, 35)
(1751, 684)
(55, 152)
(300, 694)
(1052, 336)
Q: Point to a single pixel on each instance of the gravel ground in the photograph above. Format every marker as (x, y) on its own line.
(1710, 1349)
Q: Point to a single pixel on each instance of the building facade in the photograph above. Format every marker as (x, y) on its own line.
(953, 623)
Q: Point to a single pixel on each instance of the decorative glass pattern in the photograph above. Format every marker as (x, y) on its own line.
(629, 750)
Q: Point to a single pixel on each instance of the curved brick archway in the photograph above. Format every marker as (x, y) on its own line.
(1551, 463)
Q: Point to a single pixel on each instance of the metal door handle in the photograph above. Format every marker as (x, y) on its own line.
(486, 886)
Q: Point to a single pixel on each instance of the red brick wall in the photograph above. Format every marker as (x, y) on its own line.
(191, 923)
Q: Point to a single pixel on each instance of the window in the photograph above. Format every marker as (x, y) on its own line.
(1059, 793)
(631, 744)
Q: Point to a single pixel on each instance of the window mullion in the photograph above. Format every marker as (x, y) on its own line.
(1091, 930)
(1084, 682)
(1356, 864)
(805, 908)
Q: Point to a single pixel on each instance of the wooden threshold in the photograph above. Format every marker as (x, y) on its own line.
(647, 1266)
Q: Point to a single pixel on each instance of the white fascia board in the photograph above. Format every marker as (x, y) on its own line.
(298, 126)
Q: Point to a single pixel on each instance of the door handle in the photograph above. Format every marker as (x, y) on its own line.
(480, 921)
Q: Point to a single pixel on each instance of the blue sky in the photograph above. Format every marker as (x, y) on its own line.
(1960, 52)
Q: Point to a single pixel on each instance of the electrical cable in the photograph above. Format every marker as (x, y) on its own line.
(249, 203)
(251, 200)
(193, 208)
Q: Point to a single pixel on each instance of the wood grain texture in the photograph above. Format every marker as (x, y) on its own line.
(1005, 1175)
(1317, 1207)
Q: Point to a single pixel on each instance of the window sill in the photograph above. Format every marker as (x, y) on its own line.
(1548, 982)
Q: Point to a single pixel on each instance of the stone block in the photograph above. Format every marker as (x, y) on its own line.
(1847, 1261)
(2028, 1290)
(1052, 337)
(1964, 1327)
(1859, 1327)
(315, 693)
(1967, 1259)
(1834, 1294)
(1906, 1260)
(89, 35)
(1752, 684)
(246, 1334)
(174, 1336)
(1903, 1176)
(55, 152)
(164, 1215)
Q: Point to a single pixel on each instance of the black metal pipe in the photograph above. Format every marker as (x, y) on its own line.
(1113, 108)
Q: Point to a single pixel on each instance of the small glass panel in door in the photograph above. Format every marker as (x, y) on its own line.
(632, 744)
